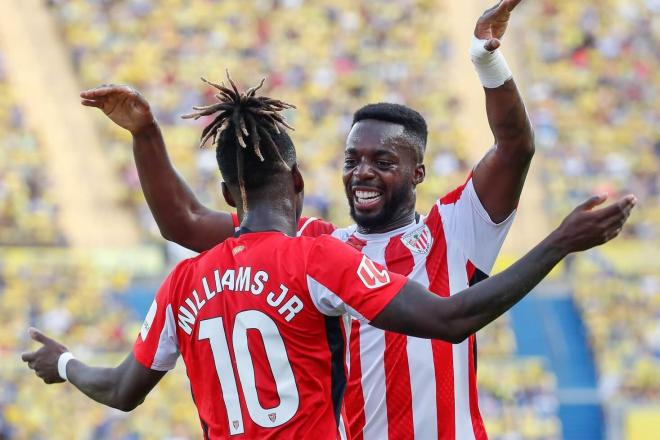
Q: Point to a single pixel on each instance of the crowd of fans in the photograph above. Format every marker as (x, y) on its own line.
(28, 214)
(593, 70)
(83, 305)
(516, 396)
(327, 57)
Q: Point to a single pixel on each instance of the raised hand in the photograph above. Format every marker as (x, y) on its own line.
(587, 227)
(124, 105)
(493, 22)
(44, 360)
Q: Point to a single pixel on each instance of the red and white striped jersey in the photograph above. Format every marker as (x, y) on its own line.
(261, 322)
(404, 387)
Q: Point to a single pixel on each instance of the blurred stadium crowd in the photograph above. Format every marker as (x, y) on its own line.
(589, 77)
(27, 211)
(593, 72)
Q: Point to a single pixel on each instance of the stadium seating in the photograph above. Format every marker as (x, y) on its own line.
(310, 52)
(593, 73)
(70, 296)
(28, 214)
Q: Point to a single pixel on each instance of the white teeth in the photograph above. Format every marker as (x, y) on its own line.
(366, 194)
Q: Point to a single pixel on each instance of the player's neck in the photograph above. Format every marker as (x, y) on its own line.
(269, 216)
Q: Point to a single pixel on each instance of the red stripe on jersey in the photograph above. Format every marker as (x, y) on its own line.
(469, 269)
(453, 196)
(443, 357)
(397, 387)
(354, 400)
(477, 422)
(355, 242)
(399, 259)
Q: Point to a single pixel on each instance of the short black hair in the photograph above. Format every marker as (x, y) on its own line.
(249, 134)
(412, 121)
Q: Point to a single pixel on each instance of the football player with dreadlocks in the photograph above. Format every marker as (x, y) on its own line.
(261, 319)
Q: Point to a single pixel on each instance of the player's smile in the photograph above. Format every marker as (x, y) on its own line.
(366, 198)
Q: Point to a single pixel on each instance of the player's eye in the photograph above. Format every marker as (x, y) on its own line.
(383, 164)
(350, 163)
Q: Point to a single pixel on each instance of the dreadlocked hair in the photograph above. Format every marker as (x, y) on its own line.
(249, 134)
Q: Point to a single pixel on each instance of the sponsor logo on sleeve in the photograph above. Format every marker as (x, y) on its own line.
(371, 276)
(148, 321)
(419, 241)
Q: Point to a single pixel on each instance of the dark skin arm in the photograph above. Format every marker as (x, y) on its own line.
(499, 177)
(418, 312)
(180, 216)
(123, 387)
(414, 311)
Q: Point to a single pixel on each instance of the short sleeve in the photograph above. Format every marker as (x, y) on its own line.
(466, 222)
(342, 280)
(156, 347)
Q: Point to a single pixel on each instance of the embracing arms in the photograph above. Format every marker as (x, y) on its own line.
(418, 312)
(180, 216)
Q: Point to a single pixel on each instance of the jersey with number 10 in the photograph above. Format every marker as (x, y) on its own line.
(261, 322)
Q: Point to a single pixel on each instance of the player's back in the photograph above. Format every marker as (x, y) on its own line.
(259, 321)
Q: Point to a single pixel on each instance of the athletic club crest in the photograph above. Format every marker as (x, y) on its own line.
(272, 417)
(419, 241)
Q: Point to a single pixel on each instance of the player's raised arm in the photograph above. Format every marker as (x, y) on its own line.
(123, 387)
(417, 312)
(180, 216)
(500, 175)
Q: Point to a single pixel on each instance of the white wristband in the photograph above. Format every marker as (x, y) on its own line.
(61, 363)
(491, 67)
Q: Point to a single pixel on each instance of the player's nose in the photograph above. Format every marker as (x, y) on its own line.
(364, 171)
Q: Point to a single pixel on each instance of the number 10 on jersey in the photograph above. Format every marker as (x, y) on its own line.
(285, 383)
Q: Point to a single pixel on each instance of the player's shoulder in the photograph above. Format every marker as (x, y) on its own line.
(201, 260)
(457, 193)
(314, 227)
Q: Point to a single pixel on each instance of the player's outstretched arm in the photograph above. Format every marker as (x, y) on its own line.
(123, 387)
(500, 175)
(417, 312)
(180, 216)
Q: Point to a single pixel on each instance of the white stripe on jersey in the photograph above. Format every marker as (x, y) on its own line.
(168, 350)
(372, 347)
(342, 429)
(329, 303)
(422, 386)
(420, 352)
(458, 281)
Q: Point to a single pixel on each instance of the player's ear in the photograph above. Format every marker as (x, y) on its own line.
(419, 174)
(227, 195)
(298, 181)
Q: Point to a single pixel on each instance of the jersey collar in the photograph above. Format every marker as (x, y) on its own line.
(389, 234)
